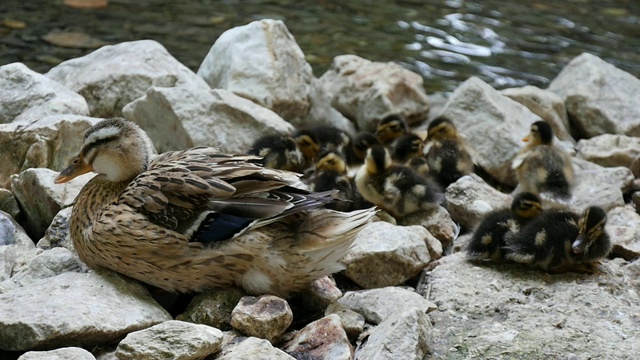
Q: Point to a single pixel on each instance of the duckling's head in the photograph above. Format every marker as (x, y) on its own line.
(526, 205)
(378, 159)
(407, 146)
(308, 143)
(115, 148)
(591, 228)
(362, 142)
(540, 134)
(331, 160)
(391, 128)
(442, 128)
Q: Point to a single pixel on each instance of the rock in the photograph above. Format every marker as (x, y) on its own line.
(492, 123)
(352, 322)
(367, 91)
(198, 117)
(386, 255)
(171, 340)
(376, 305)
(545, 104)
(57, 234)
(635, 167)
(508, 311)
(47, 264)
(213, 307)
(115, 75)
(599, 97)
(609, 150)
(320, 294)
(406, 334)
(266, 317)
(599, 186)
(262, 62)
(41, 199)
(252, 348)
(439, 224)
(322, 113)
(9, 204)
(105, 307)
(16, 250)
(322, 339)
(623, 225)
(470, 198)
(26, 96)
(67, 353)
(51, 142)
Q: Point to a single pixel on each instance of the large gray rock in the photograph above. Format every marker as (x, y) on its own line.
(45, 265)
(26, 96)
(378, 304)
(262, 62)
(50, 142)
(266, 317)
(202, 118)
(599, 97)
(609, 150)
(599, 186)
(252, 348)
(323, 339)
(367, 91)
(492, 123)
(173, 339)
(105, 307)
(115, 75)
(506, 311)
(623, 225)
(16, 250)
(386, 255)
(68, 353)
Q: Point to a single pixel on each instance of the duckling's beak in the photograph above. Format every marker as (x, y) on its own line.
(526, 138)
(579, 246)
(78, 167)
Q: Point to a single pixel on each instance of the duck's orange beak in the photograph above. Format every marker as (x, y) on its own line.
(526, 138)
(78, 167)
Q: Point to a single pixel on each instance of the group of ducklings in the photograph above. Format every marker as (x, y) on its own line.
(398, 170)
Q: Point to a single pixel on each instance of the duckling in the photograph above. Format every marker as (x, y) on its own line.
(396, 189)
(311, 141)
(447, 155)
(406, 147)
(278, 152)
(331, 174)
(420, 165)
(390, 128)
(360, 143)
(542, 168)
(197, 218)
(560, 240)
(498, 228)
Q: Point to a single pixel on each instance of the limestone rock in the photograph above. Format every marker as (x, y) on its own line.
(367, 91)
(386, 255)
(67, 353)
(599, 97)
(609, 150)
(105, 307)
(376, 305)
(41, 199)
(171, 340)
(510, 312)
(47, 264)
(50, 142)
(470, 198)
(26, 96)
(202, 118)
(323, 339)
(623, 225)
(9, 204)
(406, 334)
(262, 62)
(352, 322)
(115, 75)
(493, 125)
(16, 250)
(438, 222)
(322, 113)
(252, 348)
(266, 317)
(599, 186)
(213, 307)
(320, 294)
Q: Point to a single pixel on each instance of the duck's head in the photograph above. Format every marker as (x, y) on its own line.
(391, 128)
(591, 228)
(526, 205)
(331, 160)
(540, 134)
(441, 128)
(378, 159)
(115, 148)
(362, 142)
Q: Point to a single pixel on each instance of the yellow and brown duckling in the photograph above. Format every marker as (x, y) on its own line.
(560, 240)
(447, 156)
(331, 174)
(541, 167)
(313, 140)
(407, 147)
(500, 226)
(395, 188)
(278, 152)
(391, 128)
(196, 219)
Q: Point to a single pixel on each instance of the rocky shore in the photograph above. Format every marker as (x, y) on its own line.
(407, 291)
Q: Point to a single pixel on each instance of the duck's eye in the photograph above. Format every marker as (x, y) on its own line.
(75, 161)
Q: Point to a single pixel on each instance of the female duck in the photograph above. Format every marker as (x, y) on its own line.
(195, 219)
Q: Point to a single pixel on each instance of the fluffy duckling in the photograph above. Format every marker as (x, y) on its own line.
(542, 168)
(447, 156)
(396, 189)
(196, 219)
(331, 174)
(498, 228)
(311, 141)
(560, 240)
(406, 147)
(419, 165)
(390, 128)
(278, 152)
(360, 143)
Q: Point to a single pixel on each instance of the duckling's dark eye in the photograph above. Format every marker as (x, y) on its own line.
(75, 161)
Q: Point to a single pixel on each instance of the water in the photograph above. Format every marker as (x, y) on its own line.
(506, 43)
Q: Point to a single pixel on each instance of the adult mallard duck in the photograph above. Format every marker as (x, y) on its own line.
(195, 219)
